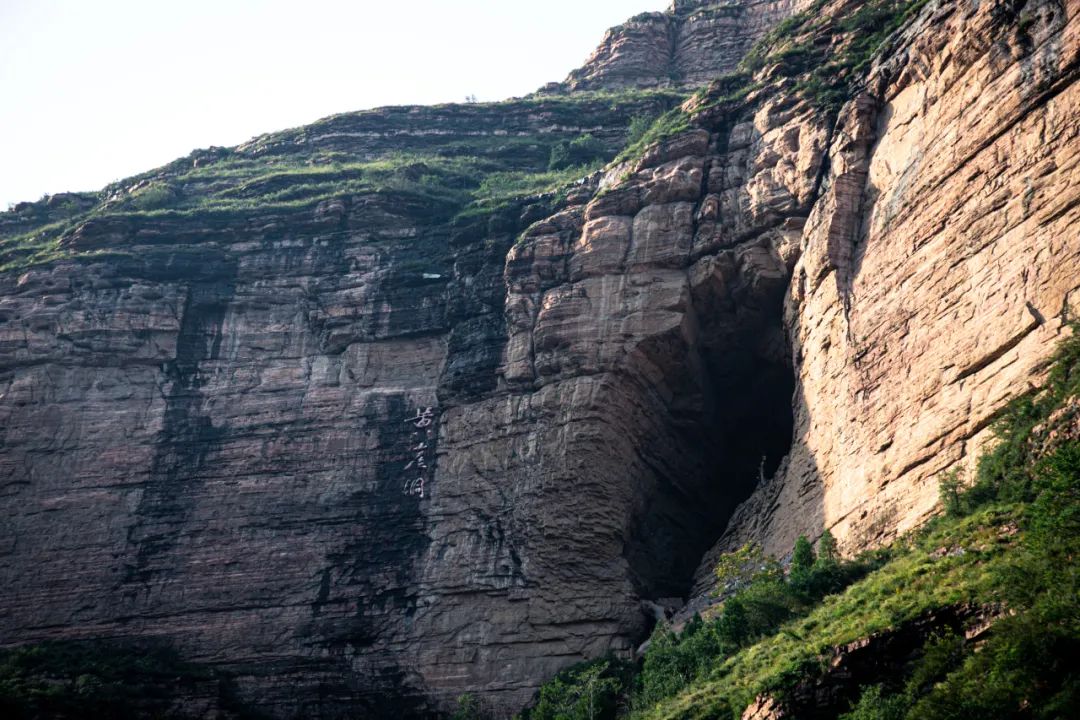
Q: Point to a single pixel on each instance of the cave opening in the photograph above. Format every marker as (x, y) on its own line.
(730, 422)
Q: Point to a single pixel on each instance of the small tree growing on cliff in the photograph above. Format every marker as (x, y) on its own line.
(827, 574)
(802, 562)
(468, 708)
(579, 151)
(802, 556)
(593, 690)
(762, 598)
(951, 490)
(732, 627)
(639, 125)
(827, 552)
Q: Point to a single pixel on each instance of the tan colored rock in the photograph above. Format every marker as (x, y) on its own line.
(214, 443)
(937, 269)
(689, 44)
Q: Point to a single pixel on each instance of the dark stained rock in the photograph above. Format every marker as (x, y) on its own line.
(363, 438)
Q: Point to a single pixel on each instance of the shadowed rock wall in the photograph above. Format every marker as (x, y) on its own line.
(369, 453)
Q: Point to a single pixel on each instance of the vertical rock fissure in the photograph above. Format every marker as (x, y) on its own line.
(749, 366)
(733, 412)
(187, 434)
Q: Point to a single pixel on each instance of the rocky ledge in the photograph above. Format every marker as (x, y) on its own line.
(364, 429)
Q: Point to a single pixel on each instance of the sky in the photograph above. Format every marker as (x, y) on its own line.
(95, 91)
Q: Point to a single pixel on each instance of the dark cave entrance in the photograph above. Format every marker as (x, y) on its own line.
(730, 420)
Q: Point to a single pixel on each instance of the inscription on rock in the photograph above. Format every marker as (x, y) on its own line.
(416, 469)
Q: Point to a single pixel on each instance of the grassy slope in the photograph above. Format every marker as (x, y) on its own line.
(456, 158)
(907, 587)
(1009, 539)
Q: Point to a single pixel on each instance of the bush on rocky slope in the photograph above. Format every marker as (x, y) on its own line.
(106, 679)
(825, 55)
(1005, 557)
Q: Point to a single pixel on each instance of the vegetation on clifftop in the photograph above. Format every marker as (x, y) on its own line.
(1006, 545)
(448, 159)
(471, 158)
(819, 56)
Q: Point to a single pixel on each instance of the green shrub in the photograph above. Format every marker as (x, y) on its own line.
(674, 660)
(92, 679)
(950, 489)
(594, 690)
(639, 125)
(579, 151)
(746, 566)
(153, 197)
(796, 58)
(468, 708)
(1026, 669)
(827, 552)
(667, 125)
(873, 705)
(802, 561)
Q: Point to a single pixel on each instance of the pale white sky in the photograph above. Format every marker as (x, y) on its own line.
(92, 91)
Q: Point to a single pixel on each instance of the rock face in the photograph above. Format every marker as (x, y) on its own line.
(937, 270)
(371, 450)
(691, 43)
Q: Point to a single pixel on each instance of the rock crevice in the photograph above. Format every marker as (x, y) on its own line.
(368, 449)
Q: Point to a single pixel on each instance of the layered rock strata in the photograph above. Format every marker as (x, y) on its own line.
(938, 268)
(691, 43)
(368, 452)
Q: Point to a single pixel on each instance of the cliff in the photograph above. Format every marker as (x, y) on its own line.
(925, 296)
(394, 406)
(690, 44)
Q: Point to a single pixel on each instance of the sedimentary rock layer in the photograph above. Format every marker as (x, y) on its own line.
(367, 452)
(691, 43)
(938, 268)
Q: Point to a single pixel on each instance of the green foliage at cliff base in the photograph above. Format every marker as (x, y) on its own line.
(1009, 540)
(104, 679)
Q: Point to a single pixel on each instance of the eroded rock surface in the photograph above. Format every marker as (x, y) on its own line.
(368, 453)
(691, 43)
(938, 268)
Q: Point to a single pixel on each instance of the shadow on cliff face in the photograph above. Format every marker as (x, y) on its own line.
(731, 384)
(187, 434)
(372, 577)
